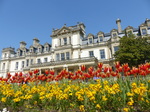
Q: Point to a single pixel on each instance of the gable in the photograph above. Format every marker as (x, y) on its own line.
(62, 30)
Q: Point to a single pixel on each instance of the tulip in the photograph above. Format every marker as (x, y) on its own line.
(52, 72)
(117, 64)
(83, 68)
(30, 72)
(46, 72)
(100, 65)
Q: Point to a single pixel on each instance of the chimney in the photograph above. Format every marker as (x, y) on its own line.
(147, 21)
(118, 22)
(22, 45)
(35, 42)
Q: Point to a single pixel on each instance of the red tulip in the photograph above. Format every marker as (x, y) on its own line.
(52, 72)
(83, 68)
(117, 64)
(46, 72)
(100, 65)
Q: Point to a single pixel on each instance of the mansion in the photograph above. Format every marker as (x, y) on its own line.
(70, 48)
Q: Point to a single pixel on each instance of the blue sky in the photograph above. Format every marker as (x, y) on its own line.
(23, 20)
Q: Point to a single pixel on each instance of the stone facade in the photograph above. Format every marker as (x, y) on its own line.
(70, 48)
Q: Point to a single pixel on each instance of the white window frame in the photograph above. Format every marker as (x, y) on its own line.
(102, 56)
(67, 55)
(91, 53)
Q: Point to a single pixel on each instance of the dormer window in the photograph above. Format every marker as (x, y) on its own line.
(65, 41)
(101, 39)
(114, 34)
(31, 50)
(46, 48)
(144, 31)
(18, 53)
(39, 49)
(129, 32)
(90, 40)
(24, 52)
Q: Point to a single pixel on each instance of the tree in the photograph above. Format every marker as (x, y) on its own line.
(133, 50)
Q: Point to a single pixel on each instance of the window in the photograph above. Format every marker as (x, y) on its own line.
(57, 57)
(22, 64)
(46, 48)
(38, 60)
(69, 40)
(91, 54)
(67, 56)
(90, 40)
(16, 65)
(114, 34)
(102, 54)
(31, 50)
(101, 38)
(45, 59)
(62, 56)
(116, 48)
(31, 62)
(27, 62)
(39, 49)
(24, 52)
(60, 41)
(3, 66)
(144, 32)
(5, 55)
(65, 41)
(18, 53)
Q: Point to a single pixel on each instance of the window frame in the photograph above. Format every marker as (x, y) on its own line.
(145, 31)
(102, 54)
(17, 65)
(4, 64)
(90, 40)
(57, 57)
(91, 53)
(27, 62)
(101, 37)
(62, 56)
(22, 64)
(115, 49)
(65, 40)
(45, 59)
(67, 55)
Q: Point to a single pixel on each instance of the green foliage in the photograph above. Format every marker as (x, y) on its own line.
(133, 50)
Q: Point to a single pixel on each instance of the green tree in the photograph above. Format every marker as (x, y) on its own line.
(133, 50)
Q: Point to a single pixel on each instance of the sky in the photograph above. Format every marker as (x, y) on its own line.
(23, 20)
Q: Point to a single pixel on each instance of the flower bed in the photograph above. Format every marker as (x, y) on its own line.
(78, 91)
